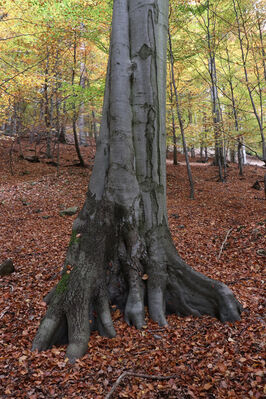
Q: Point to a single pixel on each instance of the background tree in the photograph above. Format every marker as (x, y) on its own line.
(246, 44)
(189, 30)
(41, 79)
(179, 116)
(27, 27)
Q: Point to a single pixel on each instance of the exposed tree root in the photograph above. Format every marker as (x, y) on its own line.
(99, 272)
(190, 292)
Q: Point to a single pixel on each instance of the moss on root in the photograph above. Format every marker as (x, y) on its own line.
(62, 285)
(74, 239)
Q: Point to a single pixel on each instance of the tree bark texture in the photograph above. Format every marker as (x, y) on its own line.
(121, 251)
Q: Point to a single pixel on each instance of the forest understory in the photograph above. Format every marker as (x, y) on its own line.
(201, 357)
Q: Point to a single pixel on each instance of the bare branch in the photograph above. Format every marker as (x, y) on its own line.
(21, 73)
(16, 36)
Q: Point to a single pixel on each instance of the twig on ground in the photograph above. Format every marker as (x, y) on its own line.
(4, 312)
(132, 374)
(224, 242)
(241, 279)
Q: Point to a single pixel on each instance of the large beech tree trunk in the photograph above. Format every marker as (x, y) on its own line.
(121, 251)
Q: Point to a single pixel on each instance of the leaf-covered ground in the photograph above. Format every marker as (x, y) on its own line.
(203, 357)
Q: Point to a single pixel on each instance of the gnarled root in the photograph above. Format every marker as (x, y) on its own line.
(81, 300)
(190, 292)
(68, 317)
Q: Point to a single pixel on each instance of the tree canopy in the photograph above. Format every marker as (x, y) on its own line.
(37, 41)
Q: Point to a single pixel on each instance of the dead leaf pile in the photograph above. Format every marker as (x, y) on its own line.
(206, 358)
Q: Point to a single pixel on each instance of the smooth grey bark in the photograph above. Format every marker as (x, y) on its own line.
(121, 251)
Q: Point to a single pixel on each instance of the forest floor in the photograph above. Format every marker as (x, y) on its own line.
(202, 357)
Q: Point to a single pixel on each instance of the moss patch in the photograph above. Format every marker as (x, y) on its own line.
(62, 285)
(74, 239)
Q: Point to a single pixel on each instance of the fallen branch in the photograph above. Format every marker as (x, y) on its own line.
(224, 242)
(131, 374)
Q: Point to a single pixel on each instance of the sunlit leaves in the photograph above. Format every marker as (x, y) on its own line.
(189, 29)
(38, 52)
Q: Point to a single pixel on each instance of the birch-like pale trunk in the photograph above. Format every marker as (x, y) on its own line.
(121, 251)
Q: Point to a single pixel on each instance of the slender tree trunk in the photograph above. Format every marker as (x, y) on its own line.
(190, 121)
(94, 128)
(239, 141)
(260, 22)
(121, 251)
(233, 154)
(216, 112)
(62, 132)
(83, 135)
(205, 135)
(173, 125)
(47, 119)
(14, 120)
(240, 157)
(75, 114)
(58, 103)
(181, 125)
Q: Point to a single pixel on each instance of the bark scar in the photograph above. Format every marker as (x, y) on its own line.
(145, 52)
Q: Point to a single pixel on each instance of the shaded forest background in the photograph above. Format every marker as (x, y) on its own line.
(53, 65)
